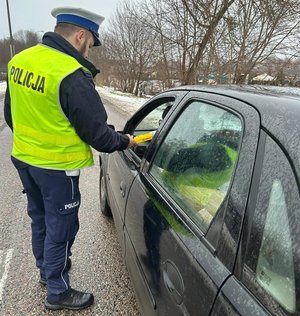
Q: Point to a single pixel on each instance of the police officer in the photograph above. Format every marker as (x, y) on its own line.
(56, 115)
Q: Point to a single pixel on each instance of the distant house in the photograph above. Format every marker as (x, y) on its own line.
(263, 78)
(213, 78)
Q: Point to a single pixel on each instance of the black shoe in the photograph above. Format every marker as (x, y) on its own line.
(43, 280)
(75, 300)
(69, 264)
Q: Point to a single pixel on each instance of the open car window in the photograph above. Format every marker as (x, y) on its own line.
(148, 120)
(152, 120)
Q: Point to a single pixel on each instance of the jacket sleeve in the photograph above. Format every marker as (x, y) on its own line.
(7, 109)
(83, 107)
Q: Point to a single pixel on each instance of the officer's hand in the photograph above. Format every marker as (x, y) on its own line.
(132, 143)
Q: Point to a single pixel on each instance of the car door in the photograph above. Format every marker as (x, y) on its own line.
(122, 166)
(266, 279)
(179, 248)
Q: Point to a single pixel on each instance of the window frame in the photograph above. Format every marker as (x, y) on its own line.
(238, 196)
(180, 212)
(176, 96)
(193, 96)
(264, 298)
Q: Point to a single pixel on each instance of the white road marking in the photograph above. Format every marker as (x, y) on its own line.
(5, 258)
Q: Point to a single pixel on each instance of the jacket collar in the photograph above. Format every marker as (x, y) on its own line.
(56, 41)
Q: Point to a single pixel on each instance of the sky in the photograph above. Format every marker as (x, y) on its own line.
(35, 15)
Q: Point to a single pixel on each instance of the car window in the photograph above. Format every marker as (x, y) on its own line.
(197, 158)
(153, 119)
(271, 258)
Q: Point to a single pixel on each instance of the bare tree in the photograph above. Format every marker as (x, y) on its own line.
(22, 40)
(180, 39)
(185, 28)
(102, 59)
(285, 69)
(206, 15)
(130, 44)
(256, 30)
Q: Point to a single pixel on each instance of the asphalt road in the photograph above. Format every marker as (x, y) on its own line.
(97, 260)
(1, 112)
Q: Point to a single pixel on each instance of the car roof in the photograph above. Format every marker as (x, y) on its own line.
(279, 113)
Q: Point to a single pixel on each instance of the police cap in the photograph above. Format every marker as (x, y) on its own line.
(80, 17)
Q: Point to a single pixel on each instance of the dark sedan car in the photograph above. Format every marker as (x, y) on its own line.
(208, 212)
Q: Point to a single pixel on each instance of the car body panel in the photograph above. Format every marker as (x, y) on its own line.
(118, 187)
(234, 300)
(152, 220)
(122, 171)
(176, 268)
(165, 257)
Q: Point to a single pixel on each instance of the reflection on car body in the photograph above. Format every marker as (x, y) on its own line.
(207, 213)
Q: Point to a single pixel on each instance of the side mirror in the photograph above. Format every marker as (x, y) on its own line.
(141, 149)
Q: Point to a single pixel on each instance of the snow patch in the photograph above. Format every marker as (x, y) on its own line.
(2, 87)
(125, 101)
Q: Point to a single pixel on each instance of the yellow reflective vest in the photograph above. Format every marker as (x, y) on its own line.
(42, 134)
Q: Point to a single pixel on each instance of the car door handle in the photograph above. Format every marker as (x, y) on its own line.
(123, 188)
(173, 281)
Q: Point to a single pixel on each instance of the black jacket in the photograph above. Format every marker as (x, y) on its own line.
(80, 102)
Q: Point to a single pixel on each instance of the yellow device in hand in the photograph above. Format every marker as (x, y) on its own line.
(144, 137)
